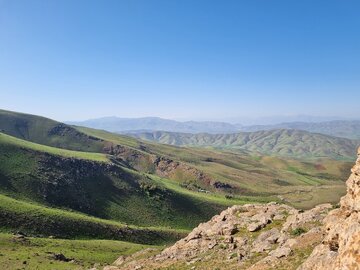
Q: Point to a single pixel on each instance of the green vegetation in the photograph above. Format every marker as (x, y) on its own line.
(47, 132)
(256, 176)
(39, 220)
(8, 141)
(281, 142)
(298, 231)
(106, 191)
(81, 183)
(110, 137)
(36, 253)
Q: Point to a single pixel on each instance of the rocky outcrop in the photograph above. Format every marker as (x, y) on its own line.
(251, 236)
(340, 248)
(270, 236)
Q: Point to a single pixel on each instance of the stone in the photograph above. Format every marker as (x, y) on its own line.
(335, 235)
(281, 252)
(340, 248)
(253, 227)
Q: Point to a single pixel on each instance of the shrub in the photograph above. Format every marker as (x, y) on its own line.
(298, 231)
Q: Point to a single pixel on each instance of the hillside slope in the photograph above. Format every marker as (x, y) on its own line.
(46, 131)
(267, 236)
(338, 128)
(81, 182)
(295, 143)
(239, 175)
(256, 237)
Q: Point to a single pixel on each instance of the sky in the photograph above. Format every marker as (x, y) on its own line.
(180, 59)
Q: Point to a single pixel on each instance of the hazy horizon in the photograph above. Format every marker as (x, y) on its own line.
(238, 61)
(246, 121)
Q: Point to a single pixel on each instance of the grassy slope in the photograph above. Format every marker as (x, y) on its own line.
(128, 196)
(339, 128)
(86, 253)
(250, 177)
(254, 175)
(245, 172)
(111, 137)
(293, 143)
(39, 220)
(47, 132)
(9, 140)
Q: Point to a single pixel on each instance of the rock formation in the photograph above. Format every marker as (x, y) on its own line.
(269, 236)
(340, 248)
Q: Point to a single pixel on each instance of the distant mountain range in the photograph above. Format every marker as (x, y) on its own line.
(340, 128)
(116, 124)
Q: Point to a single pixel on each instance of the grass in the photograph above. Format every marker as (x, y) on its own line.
(38, 220)
(280, 142)
(252, 176)
(48, 132)
(99, 193)
(6, 140)
(209, 198)
(298, 231)
(116, 197)
(110, 137)
(33, 253)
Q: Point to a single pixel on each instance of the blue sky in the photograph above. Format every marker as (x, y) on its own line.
(185, 59)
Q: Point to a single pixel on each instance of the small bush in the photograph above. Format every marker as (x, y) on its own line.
(298, 231)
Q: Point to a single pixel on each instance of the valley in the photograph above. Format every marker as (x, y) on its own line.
(71, 182)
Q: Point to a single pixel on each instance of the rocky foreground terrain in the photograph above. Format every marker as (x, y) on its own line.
(270, 236)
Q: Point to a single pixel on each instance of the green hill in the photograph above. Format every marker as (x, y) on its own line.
(282, 142)
(47, 132)
(114, 178)
(39, 220)
(86, 182)
(303, 183)
(340, 128)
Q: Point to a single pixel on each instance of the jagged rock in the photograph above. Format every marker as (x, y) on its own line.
(212, 244)
(311, 216)
(290, 243)
(229, 241)
(266, 240)
(279, 217)
(340, 248)
(253, 227)
(280, 252)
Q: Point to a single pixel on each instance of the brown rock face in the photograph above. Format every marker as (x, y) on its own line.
(268, 236)
(228, 241)
(340, 248)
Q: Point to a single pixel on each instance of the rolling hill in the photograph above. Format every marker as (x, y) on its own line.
(349, 129)
(77, 182)
(338, 128)
(294, 143)
(243, 175)
(90, 183)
